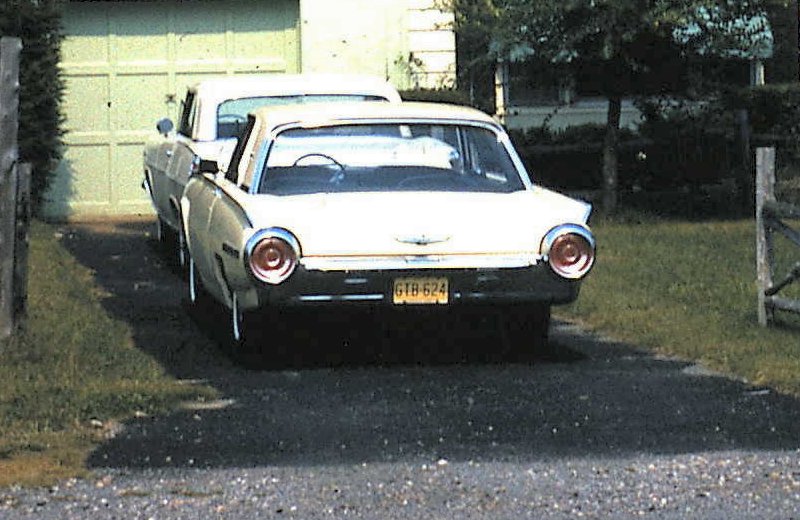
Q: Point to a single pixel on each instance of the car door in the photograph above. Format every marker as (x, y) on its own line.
(180, 156)
(157, 160)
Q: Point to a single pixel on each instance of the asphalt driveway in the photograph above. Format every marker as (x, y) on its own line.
(375, 415)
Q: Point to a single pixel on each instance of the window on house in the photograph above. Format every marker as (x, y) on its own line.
(536, 82)
(541, 83)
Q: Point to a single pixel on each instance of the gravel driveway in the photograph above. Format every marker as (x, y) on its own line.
(381, 417)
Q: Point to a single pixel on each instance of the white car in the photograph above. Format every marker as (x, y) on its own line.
(407, 204)
(213, 116)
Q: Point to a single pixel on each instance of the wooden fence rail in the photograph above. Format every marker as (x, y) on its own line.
(770, 216)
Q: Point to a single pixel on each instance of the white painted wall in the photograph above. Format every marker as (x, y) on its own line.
(409, 42)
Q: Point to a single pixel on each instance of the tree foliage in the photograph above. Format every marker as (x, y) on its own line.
(38, 24)
(623, 40)
(562, 31)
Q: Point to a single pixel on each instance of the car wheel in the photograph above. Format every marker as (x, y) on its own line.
(525, 330)
(198, 297)
(161, 231)
(245, 340)
(165, 234)
(181, 249)
(238, 322)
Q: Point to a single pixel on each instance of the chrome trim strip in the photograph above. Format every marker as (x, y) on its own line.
(385, 263)
(316, 298)
(343, 297)
(362, 297)
(230, 250)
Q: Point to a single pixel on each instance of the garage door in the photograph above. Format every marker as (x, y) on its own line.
(127, 64)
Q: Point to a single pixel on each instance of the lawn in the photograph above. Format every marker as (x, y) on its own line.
(73, 372)
(688, 290)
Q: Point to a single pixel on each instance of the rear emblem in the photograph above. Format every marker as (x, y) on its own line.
(422, 240)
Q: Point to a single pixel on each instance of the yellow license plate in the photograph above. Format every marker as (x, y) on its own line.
(424, 291)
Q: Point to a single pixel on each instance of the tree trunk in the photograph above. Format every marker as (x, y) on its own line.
(610, 145)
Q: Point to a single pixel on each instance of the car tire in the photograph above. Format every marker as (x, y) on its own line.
(246, 336)
(181, 249)
(165, 235)
(198, 296)
(525, 330)
(161, 231)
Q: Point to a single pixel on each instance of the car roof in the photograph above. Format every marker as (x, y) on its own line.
(233, 87)
(326, 114)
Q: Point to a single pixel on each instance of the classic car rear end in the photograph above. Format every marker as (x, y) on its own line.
(405, 205)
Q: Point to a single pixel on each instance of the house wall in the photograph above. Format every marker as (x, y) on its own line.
(127, 63)
(409, 42)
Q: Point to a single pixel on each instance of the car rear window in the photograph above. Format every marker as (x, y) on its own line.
(389, 157)
(232, 114)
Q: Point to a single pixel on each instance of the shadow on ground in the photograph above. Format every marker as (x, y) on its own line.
(358, 387)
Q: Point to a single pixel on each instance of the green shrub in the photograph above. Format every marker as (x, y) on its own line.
(443, 95)
(38, 24)
(774, 111)
(571, 159)
(691, 145)
(774, 114)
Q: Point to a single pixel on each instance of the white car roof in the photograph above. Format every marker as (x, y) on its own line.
(218, 90)
(324, 114)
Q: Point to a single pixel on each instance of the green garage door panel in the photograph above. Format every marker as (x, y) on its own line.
(127, 64)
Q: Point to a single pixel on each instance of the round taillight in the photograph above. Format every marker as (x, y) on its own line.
(272, 259)
(571, 255)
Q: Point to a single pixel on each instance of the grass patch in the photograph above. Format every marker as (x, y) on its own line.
(688, 290)
(71, 366)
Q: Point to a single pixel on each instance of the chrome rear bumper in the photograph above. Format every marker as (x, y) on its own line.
(532, 284)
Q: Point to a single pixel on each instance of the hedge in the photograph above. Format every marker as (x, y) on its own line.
(446, 95)
(38, 24)
(773, 109)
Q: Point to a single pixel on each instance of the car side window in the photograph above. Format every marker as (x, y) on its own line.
(488, 159)
(187, 115)
(233, 168)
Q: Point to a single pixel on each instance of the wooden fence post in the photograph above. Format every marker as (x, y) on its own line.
(23, 215)
(765, 192)
(9, 107)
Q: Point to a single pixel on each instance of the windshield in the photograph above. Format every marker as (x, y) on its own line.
(388, 157)
(232, 114)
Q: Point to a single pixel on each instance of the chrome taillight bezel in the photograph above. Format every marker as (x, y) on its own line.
(565, 230)
(277, 276)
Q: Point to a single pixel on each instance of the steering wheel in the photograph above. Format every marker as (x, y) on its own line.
(331, 160)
